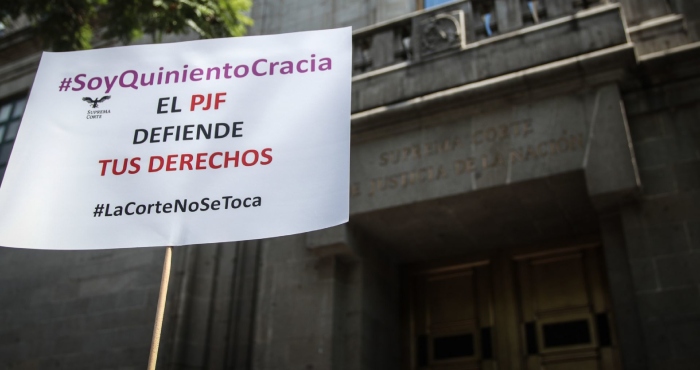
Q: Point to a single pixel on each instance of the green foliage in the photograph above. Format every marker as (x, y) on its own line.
(70, 24)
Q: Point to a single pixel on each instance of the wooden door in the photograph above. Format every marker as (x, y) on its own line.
(565, 311)
(452, 318)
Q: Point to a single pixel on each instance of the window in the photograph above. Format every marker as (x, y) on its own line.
(485, 21)
(532, 13)
(431, 3)
(10, 116)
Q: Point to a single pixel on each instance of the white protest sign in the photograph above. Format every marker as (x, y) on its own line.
(185, 143)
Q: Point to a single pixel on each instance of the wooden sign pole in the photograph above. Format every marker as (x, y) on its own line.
(152, 359)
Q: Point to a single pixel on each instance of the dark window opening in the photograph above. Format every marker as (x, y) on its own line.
(454, 346)
(422, 350)
(486, 346)
(11, 112)
(603, 326)
(531, 338)
(566, 333)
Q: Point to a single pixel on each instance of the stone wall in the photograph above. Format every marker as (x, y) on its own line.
(295, 318)
(211, 303)
(77, 310)
(662, 230)
(691, 11)
(293, 16)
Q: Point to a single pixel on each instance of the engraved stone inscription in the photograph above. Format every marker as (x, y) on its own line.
(456, 153)
(565, 143)
(418, 151)
(503, 132)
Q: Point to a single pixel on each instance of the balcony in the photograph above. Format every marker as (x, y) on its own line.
(450, 27)
(468, 41)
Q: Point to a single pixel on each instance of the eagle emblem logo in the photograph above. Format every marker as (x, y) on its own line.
(94, 102)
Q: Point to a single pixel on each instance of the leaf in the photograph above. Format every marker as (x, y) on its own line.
(71, 24)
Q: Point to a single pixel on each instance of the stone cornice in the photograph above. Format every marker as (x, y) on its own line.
(571, 74)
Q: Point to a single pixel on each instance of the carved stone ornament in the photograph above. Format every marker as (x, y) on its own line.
(442, 32)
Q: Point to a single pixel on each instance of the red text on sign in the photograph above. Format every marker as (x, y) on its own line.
(199, 100)
(188, 162)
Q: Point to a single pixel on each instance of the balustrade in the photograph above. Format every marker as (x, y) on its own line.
(431, 32)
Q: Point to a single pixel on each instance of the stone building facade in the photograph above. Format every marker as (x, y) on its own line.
(525, 194)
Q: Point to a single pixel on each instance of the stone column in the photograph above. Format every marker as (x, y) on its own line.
(623, 297)
(509, 15)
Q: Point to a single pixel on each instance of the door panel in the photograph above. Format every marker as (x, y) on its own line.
(564, 310)
(559, 283)
(452, 316)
